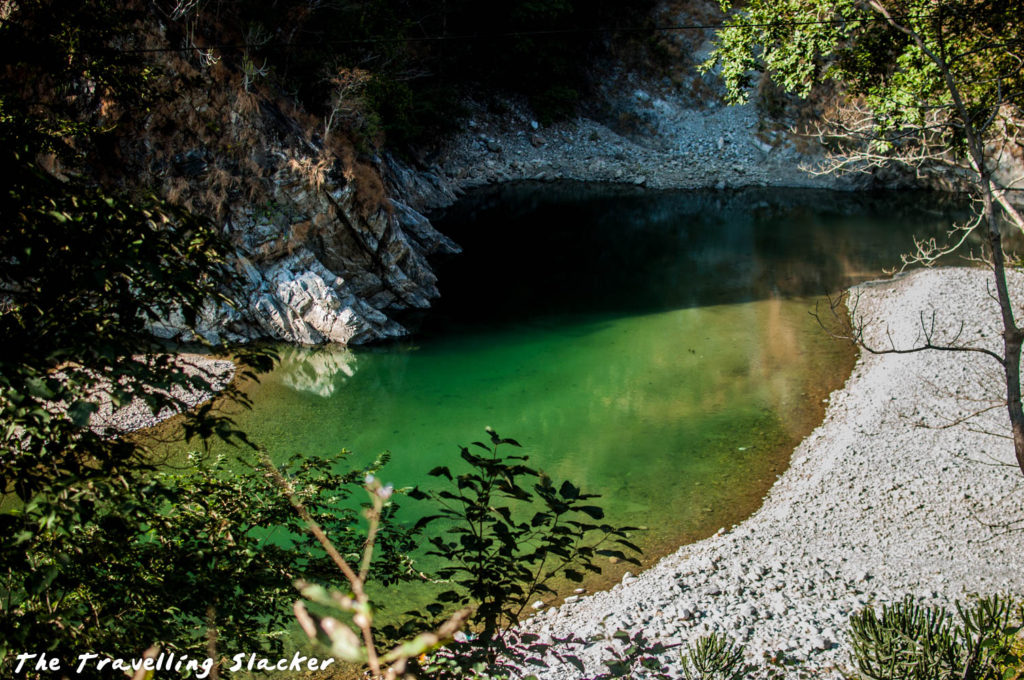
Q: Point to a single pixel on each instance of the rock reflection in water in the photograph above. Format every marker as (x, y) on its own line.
(316, 370)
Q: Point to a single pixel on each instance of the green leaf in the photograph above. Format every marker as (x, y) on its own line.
(38, 581)
(618, 669)
(39, 388)
(574, 661)
(80, 412)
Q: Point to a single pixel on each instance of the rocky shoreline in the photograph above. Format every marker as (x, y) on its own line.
(137, 415)
(680, 146)
(890, 496)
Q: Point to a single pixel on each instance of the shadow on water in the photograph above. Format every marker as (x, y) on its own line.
(541, 251)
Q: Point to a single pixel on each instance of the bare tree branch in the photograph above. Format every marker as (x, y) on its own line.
(853, 330)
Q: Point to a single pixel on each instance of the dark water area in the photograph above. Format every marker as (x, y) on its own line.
(653, 347)
(536, 250)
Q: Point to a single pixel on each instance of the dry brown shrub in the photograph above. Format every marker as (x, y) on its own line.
(305, 121)
(221, 179)
(340, 146)
(176, 189)
(214, 201)
(369, 189)
(255, 191)
(246, 103)
(299, 234)
(181, 66)
(700, 91)
(250, 167)
(204, 106)
(312, 171)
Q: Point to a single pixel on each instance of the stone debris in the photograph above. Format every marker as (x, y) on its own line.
(680, 146)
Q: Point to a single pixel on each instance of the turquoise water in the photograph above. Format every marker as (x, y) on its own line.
(655, 348)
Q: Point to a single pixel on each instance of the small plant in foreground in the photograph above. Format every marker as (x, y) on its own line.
(635, 654)
(909, 641)
(714, 657)
(323, 613)
(510, 531)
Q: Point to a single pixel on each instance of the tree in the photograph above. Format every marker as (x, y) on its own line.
(933, 86)
(99, 550)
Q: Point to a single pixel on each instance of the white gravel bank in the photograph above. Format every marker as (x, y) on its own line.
(137, 415)
(878, 502)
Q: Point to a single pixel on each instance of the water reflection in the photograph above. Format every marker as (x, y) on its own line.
(316, 370)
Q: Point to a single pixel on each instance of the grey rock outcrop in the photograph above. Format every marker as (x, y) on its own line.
(320, 268)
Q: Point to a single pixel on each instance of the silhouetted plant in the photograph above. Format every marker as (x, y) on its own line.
(635, 655)
(510, 530)
(911, 641)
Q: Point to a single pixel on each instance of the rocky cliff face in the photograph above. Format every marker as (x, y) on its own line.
(326, 252)
(317, 270)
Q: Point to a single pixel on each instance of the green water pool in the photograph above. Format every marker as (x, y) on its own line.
(653, 347)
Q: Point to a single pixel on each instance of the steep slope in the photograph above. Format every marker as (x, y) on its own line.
(328, 254)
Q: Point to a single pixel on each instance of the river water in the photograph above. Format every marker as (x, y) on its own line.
(653, 347)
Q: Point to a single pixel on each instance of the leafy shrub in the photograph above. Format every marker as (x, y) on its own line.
(634, 655)
(505, 540)
(909, 641)
(170, 556)
(714, 657)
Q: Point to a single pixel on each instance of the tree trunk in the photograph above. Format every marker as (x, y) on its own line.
(1012, 335)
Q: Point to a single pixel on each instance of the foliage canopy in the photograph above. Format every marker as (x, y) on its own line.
(892, 60)
(98, 549)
